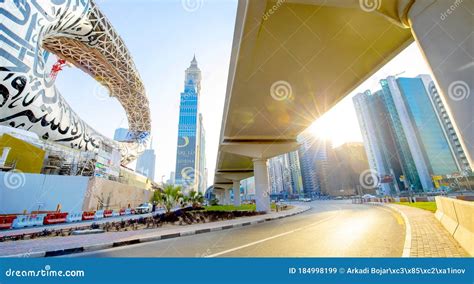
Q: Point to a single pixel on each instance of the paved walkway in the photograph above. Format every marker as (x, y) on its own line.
(39, 247)
(428, 236)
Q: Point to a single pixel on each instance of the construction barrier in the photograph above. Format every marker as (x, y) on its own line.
(55, 218)
(99, 214)
(108, 213)
(115, 213)
(74, 217)
(22, 221)
(88, 215)
(124, 211)
(457, 217)
(6, 221)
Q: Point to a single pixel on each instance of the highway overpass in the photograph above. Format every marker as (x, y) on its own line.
(293, 60)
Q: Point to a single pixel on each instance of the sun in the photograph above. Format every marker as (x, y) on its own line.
(322, 129)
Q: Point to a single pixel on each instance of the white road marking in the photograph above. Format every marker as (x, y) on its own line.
(273, 237)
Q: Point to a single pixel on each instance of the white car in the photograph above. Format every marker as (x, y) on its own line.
(144, 208)
(366, 196)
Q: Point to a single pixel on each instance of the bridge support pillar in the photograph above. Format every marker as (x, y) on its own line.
(443, 31)
(219, 195)
(227, 196)
(236, 188)
(262, 185)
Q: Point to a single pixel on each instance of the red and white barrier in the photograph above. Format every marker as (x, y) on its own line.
(108, 213)
(124, 211)
(6, 222)
(55, 218)
(22, 221)
(99, 214)
(74, 217)
(88, 215)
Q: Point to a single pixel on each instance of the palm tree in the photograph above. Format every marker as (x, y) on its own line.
(169, 197)
(195, 198)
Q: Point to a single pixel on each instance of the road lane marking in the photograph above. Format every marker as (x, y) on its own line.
(397, 216)
(275, 236)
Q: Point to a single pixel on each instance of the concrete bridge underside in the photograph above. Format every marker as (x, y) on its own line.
(294, 60)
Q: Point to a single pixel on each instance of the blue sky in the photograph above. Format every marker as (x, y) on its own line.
(162, 36)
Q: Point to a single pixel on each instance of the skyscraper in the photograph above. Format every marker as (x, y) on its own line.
(285, 174)
(445, 122)
(378, 140)
(201, 156)
(171, 180)
(295, 173)
(423, 126)
(408, 133)
(313, 162)
(411, 178)
(190, 156)
(146, 164)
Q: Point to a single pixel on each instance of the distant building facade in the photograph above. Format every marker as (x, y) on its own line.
(121, 134)
(346, 164)
(285, 175)
(408, 134)
(446, 124)
(313, 162)
(378, 141)
(171, 180)
(146, 164)
(248, 188)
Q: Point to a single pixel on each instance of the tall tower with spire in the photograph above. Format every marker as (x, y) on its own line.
(190, 154)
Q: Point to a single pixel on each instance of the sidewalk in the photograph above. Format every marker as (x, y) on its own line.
(82, 243)
(428, 237)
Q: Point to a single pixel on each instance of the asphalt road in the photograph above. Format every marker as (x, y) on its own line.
(329, 229)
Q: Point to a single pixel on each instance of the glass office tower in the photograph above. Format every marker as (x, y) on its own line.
(411, 178)
(409, 131)
(190, 155)
(379, 142)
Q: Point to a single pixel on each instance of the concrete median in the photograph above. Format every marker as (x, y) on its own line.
(457, 217)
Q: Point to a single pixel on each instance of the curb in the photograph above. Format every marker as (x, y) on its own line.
(96, 247)
(407, 244)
